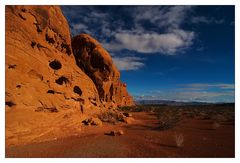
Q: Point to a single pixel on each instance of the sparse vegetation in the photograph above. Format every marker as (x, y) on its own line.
(179, 139)
(111, 117)
(170, 115)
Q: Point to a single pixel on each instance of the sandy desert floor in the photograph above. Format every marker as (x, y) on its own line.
(141, 138)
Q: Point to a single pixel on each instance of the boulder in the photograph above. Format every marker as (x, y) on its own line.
(129, 120)
(127, 114)
(96, 122)
(92, 121)
(120, 132)
(115, 133)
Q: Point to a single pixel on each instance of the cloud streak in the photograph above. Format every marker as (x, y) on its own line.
(200, 92)
(188, 96)
(205, 20)
(168, 17)
(128, 63)
(168, 43)
(204, 86)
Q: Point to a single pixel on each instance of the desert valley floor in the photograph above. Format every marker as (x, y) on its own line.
(66, 96)
(141, 138)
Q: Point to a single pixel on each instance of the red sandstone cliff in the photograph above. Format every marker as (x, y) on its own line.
(46, 81)
(95, 61)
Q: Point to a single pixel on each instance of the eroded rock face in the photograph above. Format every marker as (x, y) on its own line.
(95, 61)
(40, 67)
(47, 93)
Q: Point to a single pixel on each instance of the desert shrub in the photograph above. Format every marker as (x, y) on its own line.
(168, 118)
(125, 108)
(179, 139)
(170, 115)
(111, 117)
(139, 108)
(168, 121)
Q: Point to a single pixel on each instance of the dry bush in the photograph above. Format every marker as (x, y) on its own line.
(111, 117)
(169, 118)
(167, 122)
(125, 108)
(179, 140)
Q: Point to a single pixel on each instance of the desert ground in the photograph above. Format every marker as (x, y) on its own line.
(65, 96)
(150, 131)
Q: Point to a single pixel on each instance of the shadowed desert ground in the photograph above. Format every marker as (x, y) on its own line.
(142, 137)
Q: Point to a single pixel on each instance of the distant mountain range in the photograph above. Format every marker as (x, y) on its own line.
(170, 102)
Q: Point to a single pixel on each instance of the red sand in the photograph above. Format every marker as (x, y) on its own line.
(141, 138)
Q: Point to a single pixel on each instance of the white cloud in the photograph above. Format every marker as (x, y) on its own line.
(203, 19)
(79, 28)
(143, 29)
(135, 34)
(202, 92)
(200, 19)
(171, 41)
(203, 86)
(128, 63)
(170, 17)
(188, 96)
(167, 43)
(227, 86)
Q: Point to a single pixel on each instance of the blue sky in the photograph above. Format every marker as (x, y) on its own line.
(182, 53)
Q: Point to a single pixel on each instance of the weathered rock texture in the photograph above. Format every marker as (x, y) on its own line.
(40, 67)
(95, 61)
(43, 81)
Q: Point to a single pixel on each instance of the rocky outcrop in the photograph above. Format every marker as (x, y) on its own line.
(40, 68)
(47, 93)
(95, 61)
(38, 46)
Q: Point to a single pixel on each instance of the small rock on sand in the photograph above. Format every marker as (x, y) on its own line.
(115, 133)
(96, 121)
(128, 120)
(127, 114)
(92, 121)
(120, 132)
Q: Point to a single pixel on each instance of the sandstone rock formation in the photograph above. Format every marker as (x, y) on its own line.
(95, 61)
(40, 67)
(44, 85)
